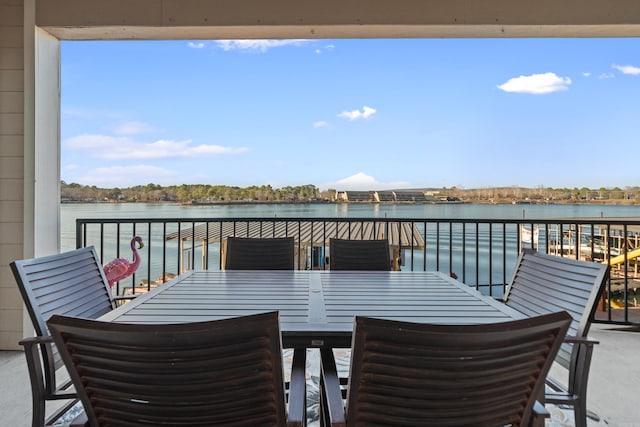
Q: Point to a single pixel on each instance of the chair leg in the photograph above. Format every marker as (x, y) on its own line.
(331, 403)
(44, 389)
(36, 378)
(38, 411)
(580, 413)
(322, 415)
(581, 378)
(298, 389)
(323, 411)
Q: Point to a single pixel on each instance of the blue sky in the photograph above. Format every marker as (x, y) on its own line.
(352, 114)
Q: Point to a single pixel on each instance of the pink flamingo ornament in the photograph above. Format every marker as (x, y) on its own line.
(121, 268)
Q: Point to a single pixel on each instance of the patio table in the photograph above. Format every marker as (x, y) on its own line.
(316, 307)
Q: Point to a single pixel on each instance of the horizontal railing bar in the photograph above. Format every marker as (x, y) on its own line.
(599, 221)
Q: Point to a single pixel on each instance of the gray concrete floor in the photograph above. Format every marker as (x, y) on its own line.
(613, 384)
(15, 392)
(615, 375)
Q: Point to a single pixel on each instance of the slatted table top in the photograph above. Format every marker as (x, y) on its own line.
(316, 307)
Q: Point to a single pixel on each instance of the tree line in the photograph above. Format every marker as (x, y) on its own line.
(628, 195)
(204, 193)
(190, 193)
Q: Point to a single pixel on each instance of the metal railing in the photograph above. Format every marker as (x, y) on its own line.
(479, 252)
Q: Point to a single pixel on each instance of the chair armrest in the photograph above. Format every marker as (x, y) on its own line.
(44, 386)
(37, 376)
(580, 340)
(34, 365)
(331, 402)
(118, 299)
(297, 413)
(30, 342)
(123, 297)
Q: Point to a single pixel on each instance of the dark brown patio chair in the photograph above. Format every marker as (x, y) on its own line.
(245, 253)
(409, 374)
(273, 253)
(216, 373)
(70, 283)
(545, 283)
(345, 254)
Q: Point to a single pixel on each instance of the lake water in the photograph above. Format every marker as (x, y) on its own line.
(438, 255)
(69, 212)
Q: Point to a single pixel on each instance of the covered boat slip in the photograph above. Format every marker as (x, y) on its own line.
(311, 237)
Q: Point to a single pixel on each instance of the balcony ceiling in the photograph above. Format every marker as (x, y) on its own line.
(227, 19)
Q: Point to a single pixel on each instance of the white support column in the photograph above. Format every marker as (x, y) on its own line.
(41, 141)
(47, 144)
(41, 213)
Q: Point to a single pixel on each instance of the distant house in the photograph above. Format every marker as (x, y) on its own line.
(385, 196)
(358, 196)
(409, 196)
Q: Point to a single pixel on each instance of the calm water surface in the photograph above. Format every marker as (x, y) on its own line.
(69, 212)
(417, 259)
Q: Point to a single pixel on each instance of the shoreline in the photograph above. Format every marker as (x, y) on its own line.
(330, 202)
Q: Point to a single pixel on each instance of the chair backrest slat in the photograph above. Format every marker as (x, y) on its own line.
(345, 254)
(245, 253)
(545, 283)
(216, 373)
(415, 374)
(70, 283)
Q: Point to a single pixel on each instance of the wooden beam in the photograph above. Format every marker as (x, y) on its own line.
(222, 19)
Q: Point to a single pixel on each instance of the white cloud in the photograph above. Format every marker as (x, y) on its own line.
(537, 84)
(132, 128)
(257, 45)
(124, 148)
(356, 114)
(363, 182)
(196, 45)
(627, 69)
(96, 142)
(77, 113)
(328, 47)
(606, 76)
(320, 124)
(586, 74)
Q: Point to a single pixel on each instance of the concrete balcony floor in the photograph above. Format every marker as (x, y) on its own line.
(613, 384)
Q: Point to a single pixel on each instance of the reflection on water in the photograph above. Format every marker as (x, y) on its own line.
(69, 212)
